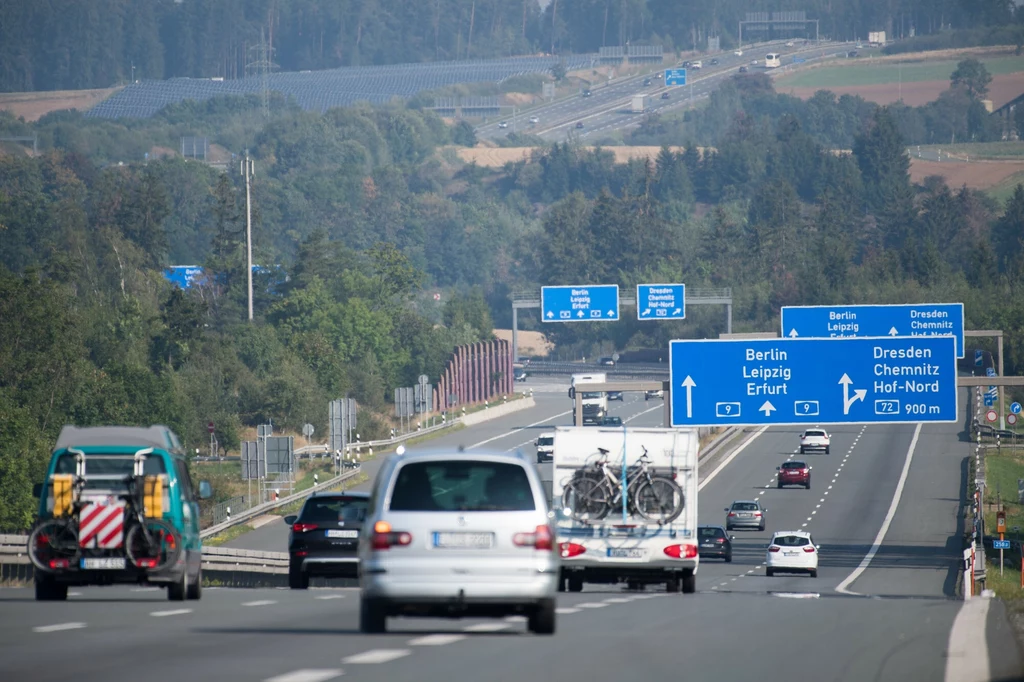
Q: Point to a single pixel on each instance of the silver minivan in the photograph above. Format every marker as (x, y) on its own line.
(456, 535)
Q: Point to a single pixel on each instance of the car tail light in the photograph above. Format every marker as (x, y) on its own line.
(732, 513)
(384, 537)
(681, 551)
(773, 548)
(570, 549)
(541, 539)
(809, 550)
(301, 553)
(146, 563)
(60, 563)
(757, 513)
(719, 540)
(304, 527)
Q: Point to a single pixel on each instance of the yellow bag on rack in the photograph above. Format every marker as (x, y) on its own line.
(63, 494)
(153, 496)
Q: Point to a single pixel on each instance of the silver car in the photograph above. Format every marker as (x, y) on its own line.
(457, 534)
(745, 514)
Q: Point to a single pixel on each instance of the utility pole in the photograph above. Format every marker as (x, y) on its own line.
(248, 169)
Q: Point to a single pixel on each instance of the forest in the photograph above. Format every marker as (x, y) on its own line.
(70, 44)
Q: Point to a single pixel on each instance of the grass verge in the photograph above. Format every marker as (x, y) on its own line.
(866, 72)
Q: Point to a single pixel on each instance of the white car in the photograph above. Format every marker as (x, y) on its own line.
(534, 119)
(738, 53)
(792, 551)
(815, 439)
(503, 124)
(655, 393)
(697, 64)
(789, 44)
(545, 448)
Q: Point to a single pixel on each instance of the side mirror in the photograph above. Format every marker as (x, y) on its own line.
(732, 537)
(290, 519)
(37, 490)
(205, 490)
(726, 509)
(778, 468)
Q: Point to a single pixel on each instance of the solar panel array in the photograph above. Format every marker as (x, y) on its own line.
(322, 90)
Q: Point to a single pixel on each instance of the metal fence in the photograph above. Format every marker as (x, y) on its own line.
(222, 512)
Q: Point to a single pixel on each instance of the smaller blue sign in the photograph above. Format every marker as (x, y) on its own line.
(660, 301)
(1015, 408)
(580, 303)
(675, 76)
(990, 371)
(1000, 544)
(979, 358)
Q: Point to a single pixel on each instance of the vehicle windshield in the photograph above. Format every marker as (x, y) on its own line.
(813, 434)
(745, 506)
(793, 465)
(613, 421)
(591, 396)
(711, 533)
(462, 485)
(545, 441)
(347, 509)
(791, 541)
(119, 465)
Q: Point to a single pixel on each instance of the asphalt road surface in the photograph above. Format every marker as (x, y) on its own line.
(887, 619)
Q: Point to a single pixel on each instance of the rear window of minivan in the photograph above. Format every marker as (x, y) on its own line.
(462, 485)
(117, 465)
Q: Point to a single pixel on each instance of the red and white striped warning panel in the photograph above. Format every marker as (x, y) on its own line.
(101, 526)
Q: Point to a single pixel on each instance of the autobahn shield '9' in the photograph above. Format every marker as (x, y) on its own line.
(853, 380)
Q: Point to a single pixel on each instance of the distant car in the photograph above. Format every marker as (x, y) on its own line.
(685, 65)
(794, 473)
(698, 64)
(743, 69)
(534, 119)
(815, 439)
(519, 374)
(611, 421)
(664, 95)
(579, 124)
(791, 551)
(324, 537)
(586, 93)
(545, 448)
(745, 514)
(455, 535)
(738, 53)
(714, 62)
(655, 393)
(647, 81)
(503, 124)
(753, 62)
(615, 395)
(607, 361)
(713, 541)
(851, 53)
(789, 44)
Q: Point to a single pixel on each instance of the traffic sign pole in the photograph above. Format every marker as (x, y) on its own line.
(746, 382)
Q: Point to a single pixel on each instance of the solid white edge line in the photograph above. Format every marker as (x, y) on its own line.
(841, 587)
(731, 457)
(967, 651)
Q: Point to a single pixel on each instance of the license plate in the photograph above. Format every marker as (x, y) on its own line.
(791, 553)
(102, 563)
(351, 534)
(710, 544)
(463, 540)
(627, 553)
(747, 516)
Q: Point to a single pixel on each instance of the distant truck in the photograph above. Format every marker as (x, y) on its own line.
(876, 37)
(595, 403)
(652, 538)
(641, 103)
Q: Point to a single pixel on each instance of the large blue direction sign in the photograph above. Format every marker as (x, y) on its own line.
(675, 76)
(813, 381)
(910, 319)
(580, 303)
(660, 301)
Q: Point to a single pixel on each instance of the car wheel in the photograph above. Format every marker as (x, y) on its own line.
(769, 572)
(372, 617)
(542, 620)
(177, 591)
(195, 588)
(801, 449)
(761, 527)
(673, 585)
(728, 527)
(48, 589)
(575, 583)
(728, 558)
(814, 573)
(808, 484)
(826, 450)
(297, 580)
(780, 484)
(689, 583)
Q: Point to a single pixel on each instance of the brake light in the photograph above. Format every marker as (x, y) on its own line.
(757, 513)
(809, 549)
(59, 563)
(570, 549)
(719, 540)
(732, 513)
(681, 551)
(301, 553)
(540, 539)
(304, 527)
(146, 563)
(384, 537)
(773, 548)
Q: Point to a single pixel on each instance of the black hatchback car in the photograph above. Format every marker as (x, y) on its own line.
(325, 536)
(713, 541)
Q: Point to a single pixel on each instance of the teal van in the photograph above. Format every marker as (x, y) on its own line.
(117, 506)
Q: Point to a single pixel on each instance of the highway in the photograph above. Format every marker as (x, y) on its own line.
(889, 619)
(607, 109)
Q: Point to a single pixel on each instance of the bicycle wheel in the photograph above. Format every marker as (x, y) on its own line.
(153, 544)
(53, 544)
(586, 498)
(659, 499)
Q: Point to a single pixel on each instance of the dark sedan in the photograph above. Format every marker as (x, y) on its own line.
(713, 541)
(324, 537)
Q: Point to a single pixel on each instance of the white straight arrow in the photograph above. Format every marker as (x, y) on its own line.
(767, 408)
(579, 314)
(611, 313)
(858, 394)
(688, 384)
(893, 332)
(793, 334)
(550, 314)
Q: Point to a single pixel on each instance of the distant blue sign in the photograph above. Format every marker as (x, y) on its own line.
(183, 275)
(580, 303)
(660, 301)
(813, 381)
(912, 319)
(1015, 408)
(675, 76)
(990, 371)
(1000, 544)
(979, 358)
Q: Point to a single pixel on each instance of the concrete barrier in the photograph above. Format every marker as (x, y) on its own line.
(498, 410)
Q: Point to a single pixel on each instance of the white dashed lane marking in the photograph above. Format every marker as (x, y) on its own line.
(173, 612)
(261, 602)
(307, 675)
(486, 627)
(58, 627)
(565, 610)
(375, 656)
(436, 640)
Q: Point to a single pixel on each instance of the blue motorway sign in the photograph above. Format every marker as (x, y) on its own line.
(675, 76)
(661, 301)
(183, 276)
(813, 381)
(1000, 544)
(580, 303)
(910, 319)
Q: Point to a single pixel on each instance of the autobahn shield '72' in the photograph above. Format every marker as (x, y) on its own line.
(852, 380)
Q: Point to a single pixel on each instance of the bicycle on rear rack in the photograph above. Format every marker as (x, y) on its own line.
(595, 491)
